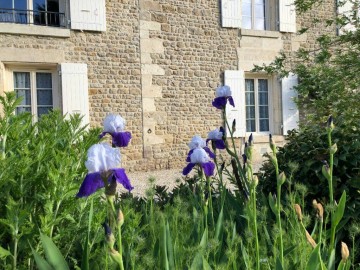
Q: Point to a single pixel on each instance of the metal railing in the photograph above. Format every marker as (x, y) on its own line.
(47, 18)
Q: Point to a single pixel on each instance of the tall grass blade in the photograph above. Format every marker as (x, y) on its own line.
(204, 240)
(163, 247)
(314, 260)
(245, 255)
(339, 212)
(85, 255)
(41, 263)
(53, 254)
(279, 266)
(170, 248)
(331, 262)
(197, 263)
(219, 224)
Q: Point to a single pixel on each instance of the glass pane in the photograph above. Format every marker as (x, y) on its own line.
(249, 85)
(264, 125)
(43, 80)
(259, 2)
(22, 110)
(259, 11)
(43, 110)
(250, 112)
(25, 96)
(246, 22)
(44, 97)
(21, 80)
(263, 85)
(259, 24)
(250, 98)
(263, 112)
(250, 125)
(246, 9)
(263, 98)
(39, 5)
(53, 5)
(6, 4)
(20, 4)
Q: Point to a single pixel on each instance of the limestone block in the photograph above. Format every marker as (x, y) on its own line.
(146, 58)
(151, 45)
(149, 25)
(149, 105)
(152, 91)
(152, 69)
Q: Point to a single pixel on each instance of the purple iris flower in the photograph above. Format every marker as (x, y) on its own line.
(103, 160)
(216, 136)
(115, 125)
(198, 142)
(201, 158)
(223, 94)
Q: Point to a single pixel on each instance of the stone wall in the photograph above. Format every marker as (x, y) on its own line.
(158, 65)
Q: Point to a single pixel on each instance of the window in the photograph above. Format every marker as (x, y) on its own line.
(36, 91)
(253, 14)
(39, 12)
(273, 15)
(257, 105)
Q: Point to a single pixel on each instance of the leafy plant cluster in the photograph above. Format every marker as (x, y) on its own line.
(41, 166)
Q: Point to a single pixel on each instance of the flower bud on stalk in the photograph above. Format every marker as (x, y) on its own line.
(298, 212)
(116, 256)
(110, 239)
(255, 181)
(233, 127)
(320, 212)
(272, 144)
(310, 239)
(333, 149)
(330, 124)
(344, 252)
(120, 218)
(281, 179)
(326, 171)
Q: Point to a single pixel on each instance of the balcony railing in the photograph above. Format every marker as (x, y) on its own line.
(47, 18)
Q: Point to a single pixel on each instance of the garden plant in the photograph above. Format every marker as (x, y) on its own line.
(60, 208)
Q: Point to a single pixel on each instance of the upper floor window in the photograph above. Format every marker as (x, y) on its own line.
(39, 12)
(253, 14)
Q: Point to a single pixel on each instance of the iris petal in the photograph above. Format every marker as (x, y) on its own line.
(219, 102)
(219, 144)
(208, 168)
(211, 154)
(189, 154)
(188, 168)
(231, 101)
(121, 139)
(91, 184)
(122, 178)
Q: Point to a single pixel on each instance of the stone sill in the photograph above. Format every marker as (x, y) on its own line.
(260, 33)
(265, 138)
(33, 30)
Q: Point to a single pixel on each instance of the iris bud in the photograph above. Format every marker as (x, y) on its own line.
(344, 252)
(272, 144)
(120, 218)
(298, 212)
(333, 149)
(330, 124)
(281, 179)
(326, 171)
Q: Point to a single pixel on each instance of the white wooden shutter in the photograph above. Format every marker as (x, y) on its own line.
(74, 86)
(346, 9)
(88, 15)
(290, 111)
(235, 79)
(231, 13)
(287, 16)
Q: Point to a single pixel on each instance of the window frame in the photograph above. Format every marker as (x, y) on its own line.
(269, 79)
(33, 69)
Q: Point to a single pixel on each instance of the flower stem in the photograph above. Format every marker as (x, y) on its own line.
(255, 228)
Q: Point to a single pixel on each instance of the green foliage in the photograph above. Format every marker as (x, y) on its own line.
(41, 167)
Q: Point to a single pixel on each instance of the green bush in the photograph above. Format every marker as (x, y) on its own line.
(41, 168)
(302, 158)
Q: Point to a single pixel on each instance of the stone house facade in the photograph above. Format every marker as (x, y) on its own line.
(157, 63)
